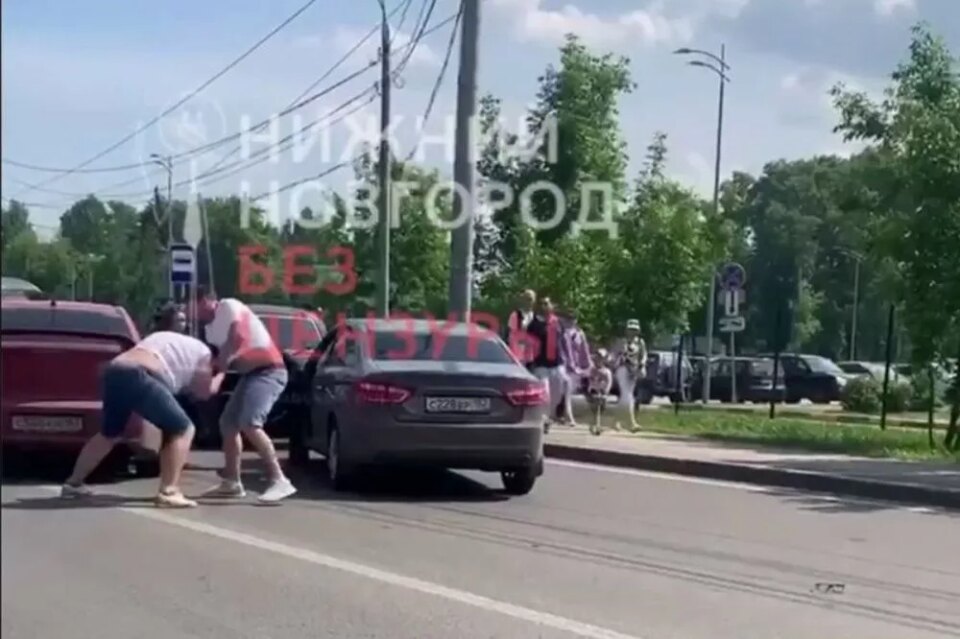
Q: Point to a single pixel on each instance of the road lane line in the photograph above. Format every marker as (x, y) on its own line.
(649, 474)
(546, 619)
(751, 488)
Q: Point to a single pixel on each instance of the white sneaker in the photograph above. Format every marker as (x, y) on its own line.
(70, 491)
(174, 499)
(227, 489)
(278, 490)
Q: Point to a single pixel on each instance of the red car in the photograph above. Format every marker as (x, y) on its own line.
(52, 356)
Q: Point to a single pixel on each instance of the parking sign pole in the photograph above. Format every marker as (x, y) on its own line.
(733, 368)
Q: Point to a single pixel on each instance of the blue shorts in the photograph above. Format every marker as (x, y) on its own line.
(252, 400)
(129, 389)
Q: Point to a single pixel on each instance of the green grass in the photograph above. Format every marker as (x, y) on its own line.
(798, 434)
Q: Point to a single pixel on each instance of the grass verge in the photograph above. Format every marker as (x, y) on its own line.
(799, 434)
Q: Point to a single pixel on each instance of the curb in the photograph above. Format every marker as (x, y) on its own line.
(796, 479)
(860, 420)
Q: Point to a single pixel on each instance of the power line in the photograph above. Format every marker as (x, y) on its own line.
(417, 36)
(217, 168)
(52, 169)
(183, 100)
(440, 77)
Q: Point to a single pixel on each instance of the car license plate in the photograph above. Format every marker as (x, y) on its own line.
(47, 424)
(458, 404)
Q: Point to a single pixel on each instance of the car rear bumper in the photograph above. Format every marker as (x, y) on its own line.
(462, 446)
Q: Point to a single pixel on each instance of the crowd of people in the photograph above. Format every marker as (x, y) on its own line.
(555, 349)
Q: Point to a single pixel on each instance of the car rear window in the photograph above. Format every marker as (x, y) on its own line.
(65, 320)
(400, 345)
(293, 333)
(764, 368)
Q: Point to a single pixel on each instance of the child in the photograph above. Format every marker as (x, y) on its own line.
(599, 381)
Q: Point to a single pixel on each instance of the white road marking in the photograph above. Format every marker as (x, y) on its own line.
(649, 474)
(546, 619)
(752, 488)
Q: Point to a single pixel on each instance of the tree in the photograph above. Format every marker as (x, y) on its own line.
(15, 220)
(660, 258)
(918, 125)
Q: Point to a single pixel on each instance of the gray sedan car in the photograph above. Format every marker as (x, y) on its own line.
(409, 392)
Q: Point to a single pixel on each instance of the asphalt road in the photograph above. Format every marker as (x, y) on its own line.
(592, 552)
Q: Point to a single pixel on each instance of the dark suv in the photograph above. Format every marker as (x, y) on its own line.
(812, 377)
(754, 379)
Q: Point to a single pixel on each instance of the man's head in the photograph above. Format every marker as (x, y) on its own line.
(170, 317)
(568, 318)
(206, 304)
(633, 328)
(527, 299)
(545, 306)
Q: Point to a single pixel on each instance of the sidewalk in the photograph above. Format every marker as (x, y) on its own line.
(935, 484)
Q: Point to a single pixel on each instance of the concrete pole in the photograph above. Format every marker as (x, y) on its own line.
(383, 223)
(461, 243)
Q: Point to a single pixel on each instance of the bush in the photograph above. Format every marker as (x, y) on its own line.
(920, 388)
(900, 397)
(861, 395)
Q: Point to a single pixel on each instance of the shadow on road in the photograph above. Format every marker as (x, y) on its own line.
(379, 485)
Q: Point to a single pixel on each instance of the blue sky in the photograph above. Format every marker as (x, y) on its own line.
(78, 76)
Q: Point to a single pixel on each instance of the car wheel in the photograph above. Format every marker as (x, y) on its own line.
(299, 452)
(338, 470)
(519, 482)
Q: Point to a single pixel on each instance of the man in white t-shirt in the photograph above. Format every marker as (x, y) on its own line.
(145, 380)
(245, 346)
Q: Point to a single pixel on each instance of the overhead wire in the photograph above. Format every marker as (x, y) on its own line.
(236, 61)
(439, 81)
(422, 32)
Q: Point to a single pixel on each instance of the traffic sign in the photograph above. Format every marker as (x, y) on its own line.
(732, 276)
(732, 299)
(183, 264)
(734, 324)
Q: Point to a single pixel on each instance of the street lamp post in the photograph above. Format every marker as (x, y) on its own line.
(718, 65)
(167, 163)
(857, 259)
(92, 261)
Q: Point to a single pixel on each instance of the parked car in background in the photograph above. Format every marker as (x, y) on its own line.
(661, 378)
(754, 380)
(396, 393)
(873, 370)
(812, 377)
(14, 287)
(297, 333)
(52, 356)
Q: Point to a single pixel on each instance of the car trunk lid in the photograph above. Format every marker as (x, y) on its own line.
(462, 392)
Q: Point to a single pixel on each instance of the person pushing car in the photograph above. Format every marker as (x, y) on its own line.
(245, 345)
(145, 381)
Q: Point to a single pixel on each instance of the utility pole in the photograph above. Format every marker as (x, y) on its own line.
(856, 304)
(717, 64)
(167, 163)
(461, 242)
(383, 223)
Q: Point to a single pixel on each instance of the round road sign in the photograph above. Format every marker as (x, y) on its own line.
(732, 276)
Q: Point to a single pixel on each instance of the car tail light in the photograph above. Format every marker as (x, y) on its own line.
(533, 394)
(373, 393)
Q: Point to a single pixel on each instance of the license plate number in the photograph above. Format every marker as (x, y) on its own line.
(44, 424)
(458, 404)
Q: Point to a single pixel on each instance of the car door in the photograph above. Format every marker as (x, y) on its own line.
(336, 371)
(797, 377)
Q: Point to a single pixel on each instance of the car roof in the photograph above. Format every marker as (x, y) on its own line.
(90, 307)
(279, 309)
(409, 325)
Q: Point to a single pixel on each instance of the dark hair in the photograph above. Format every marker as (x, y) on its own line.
(166, 317)
(205, 293)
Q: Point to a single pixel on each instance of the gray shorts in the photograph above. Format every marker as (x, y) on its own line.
(252, 399)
